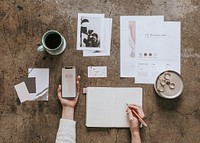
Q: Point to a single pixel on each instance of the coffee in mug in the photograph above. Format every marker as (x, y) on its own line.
(52, 42)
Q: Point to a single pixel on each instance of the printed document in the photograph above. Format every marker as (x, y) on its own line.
(157, 49)
(127, 42)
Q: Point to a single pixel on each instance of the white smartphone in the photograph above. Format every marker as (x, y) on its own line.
(69, 82)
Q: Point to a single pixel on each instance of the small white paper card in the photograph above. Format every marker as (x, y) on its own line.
(22, 92)
(97, 71)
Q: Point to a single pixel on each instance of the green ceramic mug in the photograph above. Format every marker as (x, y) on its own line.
(53, 43)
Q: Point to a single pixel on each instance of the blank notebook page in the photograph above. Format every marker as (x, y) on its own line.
(106, 106)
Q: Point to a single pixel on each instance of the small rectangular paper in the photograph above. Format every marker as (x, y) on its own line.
(30, 84)
(97, 71)
(22, 91)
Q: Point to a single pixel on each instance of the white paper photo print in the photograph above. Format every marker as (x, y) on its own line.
(90, 31)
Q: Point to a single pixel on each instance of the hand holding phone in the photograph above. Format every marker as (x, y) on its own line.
(69, 82)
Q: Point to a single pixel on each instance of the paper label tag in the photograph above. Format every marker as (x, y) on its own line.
(84, 90)
(97, 71)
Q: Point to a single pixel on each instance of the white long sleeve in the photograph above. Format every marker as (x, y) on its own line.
(66, 131)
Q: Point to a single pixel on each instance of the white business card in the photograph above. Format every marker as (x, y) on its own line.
(97, 71)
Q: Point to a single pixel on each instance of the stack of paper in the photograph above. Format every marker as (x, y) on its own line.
(94, 34)
(35, 87)
(149, 46)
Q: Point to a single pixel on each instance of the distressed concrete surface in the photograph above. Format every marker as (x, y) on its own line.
(22, 24)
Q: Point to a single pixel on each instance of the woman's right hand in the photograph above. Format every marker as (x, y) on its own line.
(134, 122)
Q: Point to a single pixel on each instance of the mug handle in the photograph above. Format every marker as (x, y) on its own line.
(41, 48)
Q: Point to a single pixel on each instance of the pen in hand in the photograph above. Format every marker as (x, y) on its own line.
(137, 116)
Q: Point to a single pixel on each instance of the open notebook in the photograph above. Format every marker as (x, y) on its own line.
(106, 106)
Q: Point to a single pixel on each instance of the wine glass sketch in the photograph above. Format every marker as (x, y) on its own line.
(132, 35)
